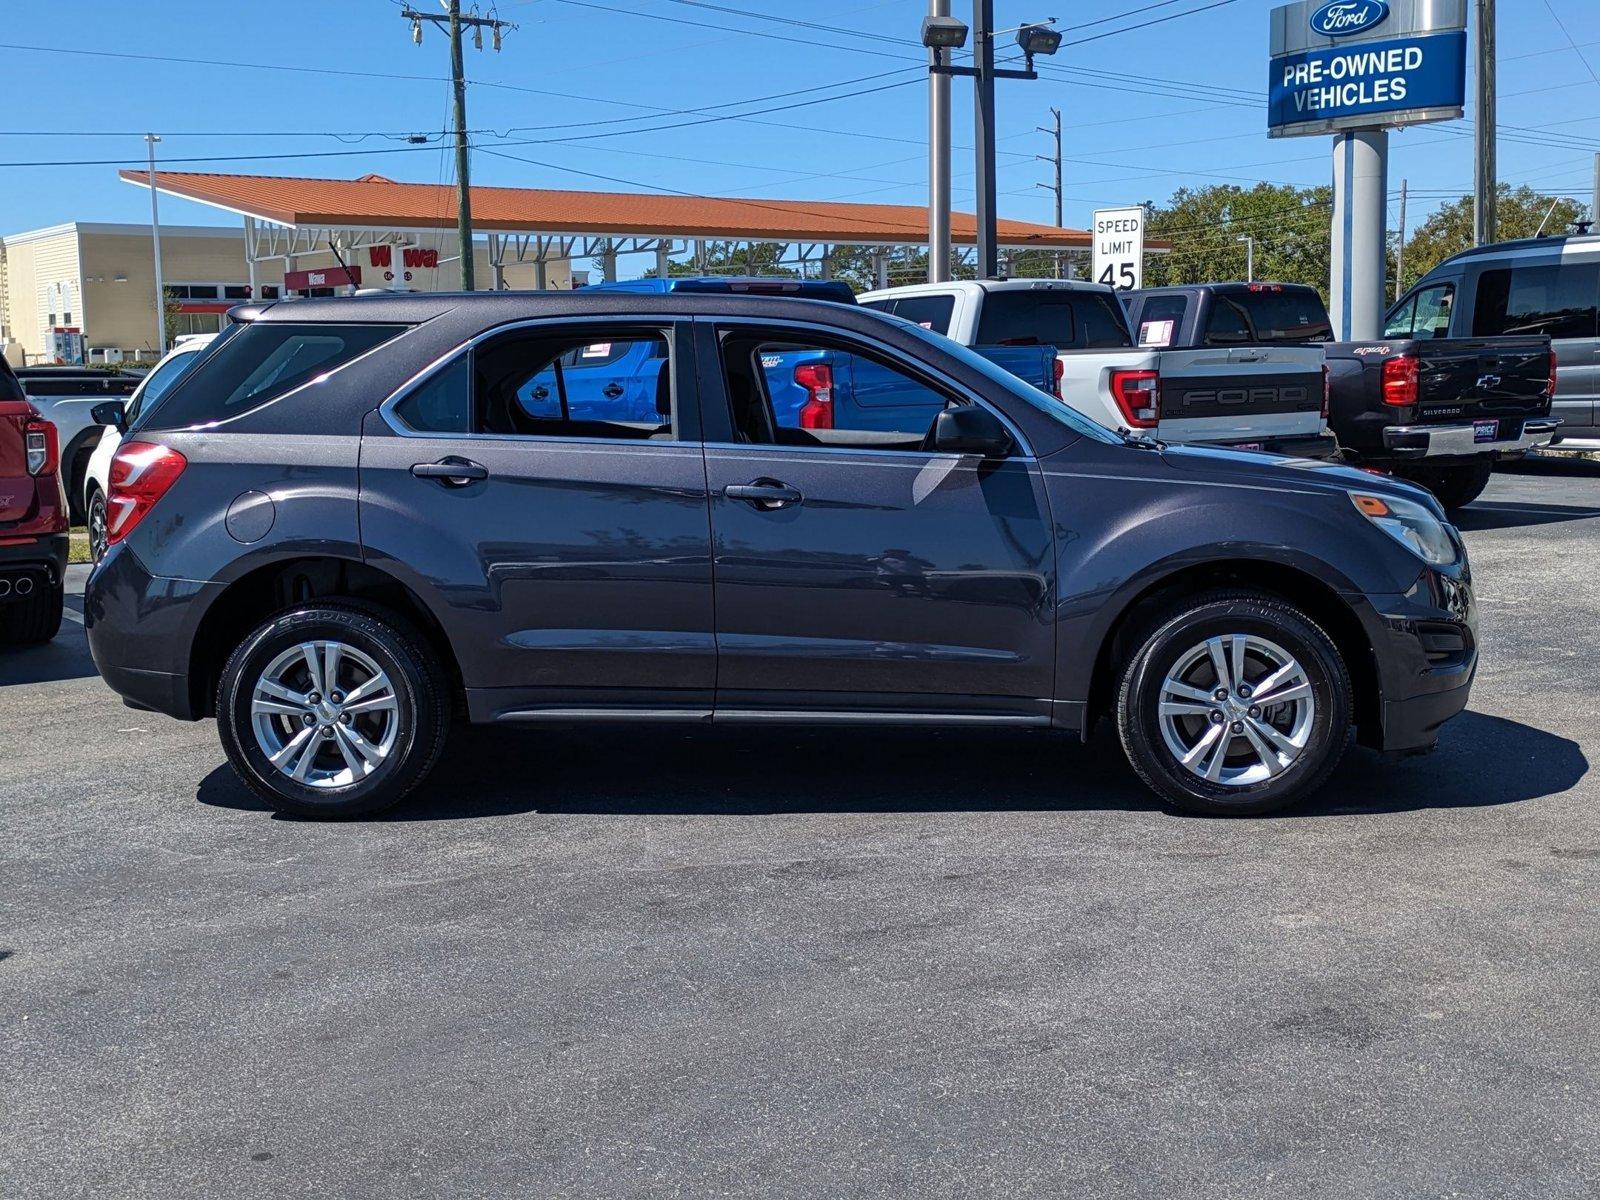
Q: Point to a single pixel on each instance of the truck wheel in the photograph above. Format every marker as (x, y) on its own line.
(1237, 704)
(36, 618)
(1457, 487)
(332, 710)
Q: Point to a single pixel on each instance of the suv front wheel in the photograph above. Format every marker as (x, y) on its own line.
(1237, 704)
(332, 711)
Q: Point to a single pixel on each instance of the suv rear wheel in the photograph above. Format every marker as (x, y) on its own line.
(332, 710)
(1236, 704)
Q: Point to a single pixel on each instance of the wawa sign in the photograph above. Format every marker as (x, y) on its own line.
(399, 268)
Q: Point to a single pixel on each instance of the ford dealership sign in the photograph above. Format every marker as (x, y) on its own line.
(1340, 18)
(1365, 64)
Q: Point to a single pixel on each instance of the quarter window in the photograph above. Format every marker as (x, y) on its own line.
(1161, 319)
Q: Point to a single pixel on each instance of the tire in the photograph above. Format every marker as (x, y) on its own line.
(394, 749)
(35, 620)
(1244, 784)
(95, 518)
(1457, 487)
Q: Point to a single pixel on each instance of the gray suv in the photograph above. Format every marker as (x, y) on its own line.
(356, 521)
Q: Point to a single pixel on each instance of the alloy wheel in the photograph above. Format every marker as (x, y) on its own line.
(1236, 710)
(325, 714)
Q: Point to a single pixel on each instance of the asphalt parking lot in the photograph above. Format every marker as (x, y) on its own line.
(775, 964)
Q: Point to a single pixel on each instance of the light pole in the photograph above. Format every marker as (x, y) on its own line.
(155, 240)
(1249, 257)
(1485, 191)
(940, 33)
(1033, 39)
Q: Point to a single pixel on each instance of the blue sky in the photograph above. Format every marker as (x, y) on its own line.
(1145, 112)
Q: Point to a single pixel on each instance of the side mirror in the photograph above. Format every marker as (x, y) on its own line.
(969, 429)
(111, 412)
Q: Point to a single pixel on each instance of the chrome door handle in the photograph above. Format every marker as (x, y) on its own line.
(451, 471)
(763, 493)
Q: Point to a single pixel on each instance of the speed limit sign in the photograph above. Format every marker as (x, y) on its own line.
(1119, 247)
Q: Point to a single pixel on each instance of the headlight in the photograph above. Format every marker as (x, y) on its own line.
(1408, 523)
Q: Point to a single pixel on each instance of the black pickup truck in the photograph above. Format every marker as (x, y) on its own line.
(1439, 411)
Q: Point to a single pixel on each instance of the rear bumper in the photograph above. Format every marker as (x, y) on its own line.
(1459, 440)
(30, 565)
(1316, 445)
(140, 632)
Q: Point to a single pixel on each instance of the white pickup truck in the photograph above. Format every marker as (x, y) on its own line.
(1254, 397)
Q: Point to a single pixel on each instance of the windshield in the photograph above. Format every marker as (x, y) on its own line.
(1028, 394)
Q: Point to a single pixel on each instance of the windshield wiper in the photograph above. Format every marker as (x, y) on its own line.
(1139, 439)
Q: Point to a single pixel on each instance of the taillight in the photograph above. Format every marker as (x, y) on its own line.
(1550, 386)
(141, 473)
(1138, 395)
(816, 412)
(1327, 391)
(1400, 380)
(1060, 373)
(43, 445)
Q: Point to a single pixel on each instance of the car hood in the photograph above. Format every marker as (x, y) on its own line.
(1283, 471)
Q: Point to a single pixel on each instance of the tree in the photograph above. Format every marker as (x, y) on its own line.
(733, 258)
(1291, 227)
(1520, 213)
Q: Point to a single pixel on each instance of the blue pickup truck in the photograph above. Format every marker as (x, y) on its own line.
(809, 389)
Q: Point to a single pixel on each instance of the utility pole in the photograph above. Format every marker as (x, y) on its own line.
(1400, 246)
(452, 20)
(1249, 257)
(1594, 203)
(938, 159)
(983, 136)
(1485, 191)
(155, 241)
(1055, 159)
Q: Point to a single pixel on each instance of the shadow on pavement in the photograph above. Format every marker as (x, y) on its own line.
(1562, 464)
(66, 657)
(1482, 761)
(1508, 514)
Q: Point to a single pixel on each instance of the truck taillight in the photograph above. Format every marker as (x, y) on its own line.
(141, 473)
(816, 412)
(1550, 385)
(1399, 384)
(1138, 395)
(1060, 373)
(43, 445)
(1327, 391)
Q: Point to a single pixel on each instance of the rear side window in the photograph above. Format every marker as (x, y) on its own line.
(261, 362)
(1161, 319)
(930, 312)
(1068, 320)
(1558, 300)
(1271, 315)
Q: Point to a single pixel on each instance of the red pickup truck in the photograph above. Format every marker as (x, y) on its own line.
(33, 520)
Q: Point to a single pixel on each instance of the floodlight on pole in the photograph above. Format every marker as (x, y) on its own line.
(1037, 39)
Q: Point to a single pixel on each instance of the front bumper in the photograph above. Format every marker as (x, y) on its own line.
(1424, 654)
(1460, 440)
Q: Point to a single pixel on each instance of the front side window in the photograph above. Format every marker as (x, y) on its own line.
(1557, 299)
(789, 391)
(588, 382)
(1402, 320)
(1433, 311)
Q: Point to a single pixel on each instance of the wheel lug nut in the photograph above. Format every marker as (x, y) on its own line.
(309, 719)
(1216, 717)
(1255, 711)
(1244, 689)
(344, 718)
(315, 698)
(1238, 726)
(336, 697)
(1221, 693)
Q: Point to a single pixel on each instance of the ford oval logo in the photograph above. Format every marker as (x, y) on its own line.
(1338, 18)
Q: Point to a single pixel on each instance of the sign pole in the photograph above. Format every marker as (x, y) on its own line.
(1360, 191)
(938, 161)
(1484, 185)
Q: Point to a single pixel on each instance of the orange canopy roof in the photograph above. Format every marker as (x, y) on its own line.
(374, 201)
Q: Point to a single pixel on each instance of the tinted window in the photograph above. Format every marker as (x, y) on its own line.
(1161, 320)
(10, 389)
(930, 312)
(824, 393)
(160, 380)
(261, 362)
(1558, 300)
(1268, 315)
(587, 382)
(1056, 317)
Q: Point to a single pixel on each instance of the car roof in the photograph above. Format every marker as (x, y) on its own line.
(495, 308)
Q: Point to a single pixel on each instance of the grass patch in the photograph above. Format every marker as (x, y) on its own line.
(78, 551)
